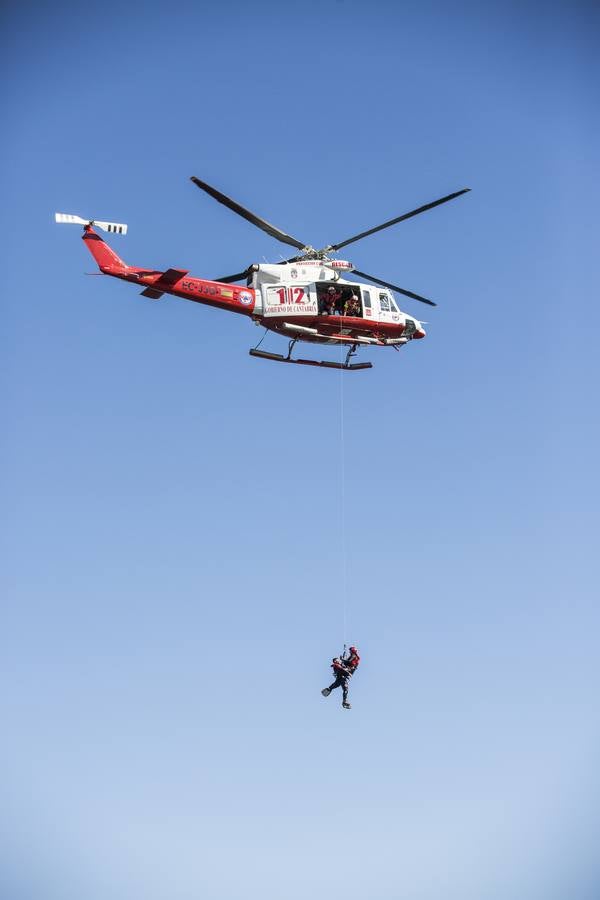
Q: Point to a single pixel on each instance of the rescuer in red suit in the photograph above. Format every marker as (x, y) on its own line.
(352, 660)
(330, 304)
(343, 669)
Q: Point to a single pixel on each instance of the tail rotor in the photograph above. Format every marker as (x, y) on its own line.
(111, 227)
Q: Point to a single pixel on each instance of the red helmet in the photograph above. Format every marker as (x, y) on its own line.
(354, 650)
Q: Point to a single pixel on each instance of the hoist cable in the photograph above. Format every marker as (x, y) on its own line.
(344, 552)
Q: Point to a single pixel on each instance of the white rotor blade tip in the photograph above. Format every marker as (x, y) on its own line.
(67, 218)
(113, 227)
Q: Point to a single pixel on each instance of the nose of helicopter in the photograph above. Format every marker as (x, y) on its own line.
(413, 329)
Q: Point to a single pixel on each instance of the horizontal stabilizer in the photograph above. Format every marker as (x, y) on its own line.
(171, 276)
(68, 219)
(164, 282)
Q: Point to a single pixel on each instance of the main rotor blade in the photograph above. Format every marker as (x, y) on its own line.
(408, 215)
(394, 287)
(249, 216)
(229, 279)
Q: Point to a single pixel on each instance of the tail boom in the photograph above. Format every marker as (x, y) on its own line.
(155, 283)
(178, 282)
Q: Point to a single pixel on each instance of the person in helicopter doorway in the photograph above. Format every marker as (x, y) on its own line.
(352, 306)
(330, 302)
(343, 668)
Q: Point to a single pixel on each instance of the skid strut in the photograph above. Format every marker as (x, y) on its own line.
(324, 364)
(351, 352)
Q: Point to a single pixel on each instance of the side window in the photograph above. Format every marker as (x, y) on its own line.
(367, 299)
(384, 303)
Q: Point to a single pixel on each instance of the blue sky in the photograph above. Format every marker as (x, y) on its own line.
(173, 577)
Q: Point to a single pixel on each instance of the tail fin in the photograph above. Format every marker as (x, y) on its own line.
(104, 255)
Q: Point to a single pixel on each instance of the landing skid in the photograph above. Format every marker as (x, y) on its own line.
(324, 364)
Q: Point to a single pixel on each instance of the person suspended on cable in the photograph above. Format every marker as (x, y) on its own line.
(351, 659)
(343, 667)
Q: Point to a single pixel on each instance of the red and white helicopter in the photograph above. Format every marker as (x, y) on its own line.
(305, 298)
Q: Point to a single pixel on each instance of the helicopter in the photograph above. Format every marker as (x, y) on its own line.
(306, 298)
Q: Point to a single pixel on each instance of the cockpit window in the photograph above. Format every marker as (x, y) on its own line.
(393, 305)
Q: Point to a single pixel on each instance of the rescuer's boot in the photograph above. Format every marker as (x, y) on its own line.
(326, 692)
(346, 705)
